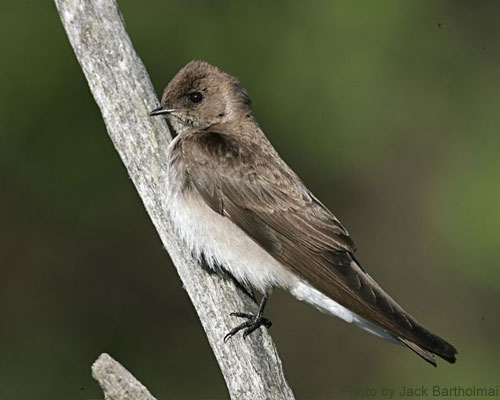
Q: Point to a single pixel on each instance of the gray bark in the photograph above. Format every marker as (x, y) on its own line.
(116, 382)
(122, 89)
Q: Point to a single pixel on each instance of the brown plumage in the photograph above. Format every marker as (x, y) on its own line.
(225, 159)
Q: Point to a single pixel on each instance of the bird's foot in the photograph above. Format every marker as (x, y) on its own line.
(253, 322)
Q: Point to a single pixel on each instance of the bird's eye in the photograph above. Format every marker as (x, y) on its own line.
(195, 97)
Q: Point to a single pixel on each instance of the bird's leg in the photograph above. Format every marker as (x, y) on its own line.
(241, 286)
(253, 321)
(225, 274)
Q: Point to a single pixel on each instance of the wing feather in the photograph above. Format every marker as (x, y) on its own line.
(258, 192)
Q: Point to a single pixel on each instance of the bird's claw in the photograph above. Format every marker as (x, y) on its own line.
(254, 322)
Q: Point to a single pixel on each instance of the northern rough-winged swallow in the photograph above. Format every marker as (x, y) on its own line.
(238, 206)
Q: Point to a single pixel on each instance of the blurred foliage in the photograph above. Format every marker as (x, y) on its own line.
(388, 110)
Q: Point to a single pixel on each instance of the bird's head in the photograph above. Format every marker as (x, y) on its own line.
(202, 95)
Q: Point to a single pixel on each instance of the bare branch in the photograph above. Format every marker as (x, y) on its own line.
(116, 382)
(122, 89)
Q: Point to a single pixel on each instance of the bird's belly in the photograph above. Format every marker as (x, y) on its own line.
(222, 243)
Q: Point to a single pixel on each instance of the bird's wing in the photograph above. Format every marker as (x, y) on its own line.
(259, 193)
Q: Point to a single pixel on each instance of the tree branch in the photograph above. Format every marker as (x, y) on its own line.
(122, 89)
(116, 382)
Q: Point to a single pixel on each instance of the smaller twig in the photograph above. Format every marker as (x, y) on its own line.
(116, 382)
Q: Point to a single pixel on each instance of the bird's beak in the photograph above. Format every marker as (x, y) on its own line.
(160, 111)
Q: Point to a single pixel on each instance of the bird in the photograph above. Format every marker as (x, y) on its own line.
(238, 207)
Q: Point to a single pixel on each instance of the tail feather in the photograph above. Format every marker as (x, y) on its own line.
(428, 355)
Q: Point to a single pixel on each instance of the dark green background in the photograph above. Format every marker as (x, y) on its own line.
(388, 110)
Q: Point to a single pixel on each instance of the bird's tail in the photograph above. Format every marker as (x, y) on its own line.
(444, 350)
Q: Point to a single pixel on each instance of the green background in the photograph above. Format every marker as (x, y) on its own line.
(388, 110)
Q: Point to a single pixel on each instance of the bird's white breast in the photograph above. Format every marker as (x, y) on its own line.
(222, 243)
